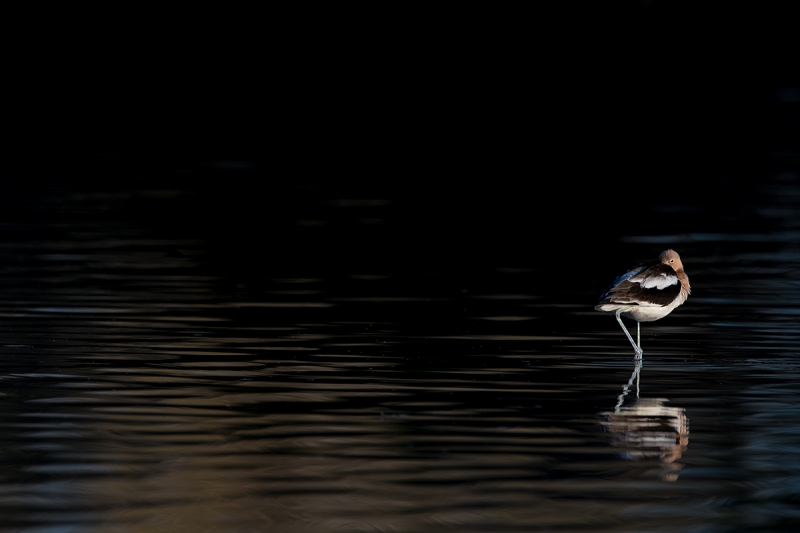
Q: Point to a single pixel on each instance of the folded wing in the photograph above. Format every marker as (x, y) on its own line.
(655, 284)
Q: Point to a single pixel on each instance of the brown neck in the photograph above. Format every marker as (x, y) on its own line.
(686, 289)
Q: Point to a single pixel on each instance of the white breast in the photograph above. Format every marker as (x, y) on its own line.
(649, 313)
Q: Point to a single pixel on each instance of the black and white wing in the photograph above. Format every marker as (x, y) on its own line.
(654, 284)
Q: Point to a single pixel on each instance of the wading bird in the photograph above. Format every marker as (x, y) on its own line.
(646, 293)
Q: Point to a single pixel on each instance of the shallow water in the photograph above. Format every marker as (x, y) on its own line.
(155, 377)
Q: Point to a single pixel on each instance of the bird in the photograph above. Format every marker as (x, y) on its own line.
(647, 292)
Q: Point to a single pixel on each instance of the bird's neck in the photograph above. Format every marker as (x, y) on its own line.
(686, 289)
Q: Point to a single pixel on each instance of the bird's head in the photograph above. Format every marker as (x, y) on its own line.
(671, 258)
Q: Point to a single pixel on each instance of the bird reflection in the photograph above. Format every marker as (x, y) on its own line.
(646, 428)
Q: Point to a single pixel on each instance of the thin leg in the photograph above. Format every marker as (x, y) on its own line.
(635, 346)
(638, 334)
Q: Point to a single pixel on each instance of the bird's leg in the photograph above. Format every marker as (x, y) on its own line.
(638, 334)
(635, 346)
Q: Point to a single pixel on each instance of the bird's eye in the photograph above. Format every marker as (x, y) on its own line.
(671, 260)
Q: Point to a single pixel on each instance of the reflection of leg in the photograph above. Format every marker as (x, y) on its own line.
(635, 346)
(638, 375)
(634, 376)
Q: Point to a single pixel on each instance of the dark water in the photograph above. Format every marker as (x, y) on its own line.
(156, 375)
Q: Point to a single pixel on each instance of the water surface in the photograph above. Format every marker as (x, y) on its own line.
(160, 378)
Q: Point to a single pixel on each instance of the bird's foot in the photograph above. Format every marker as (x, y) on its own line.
(639, 354)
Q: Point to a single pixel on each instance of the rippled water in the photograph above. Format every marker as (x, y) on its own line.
(152, 381)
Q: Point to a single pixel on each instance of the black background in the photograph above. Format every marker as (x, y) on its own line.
(520, 136)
